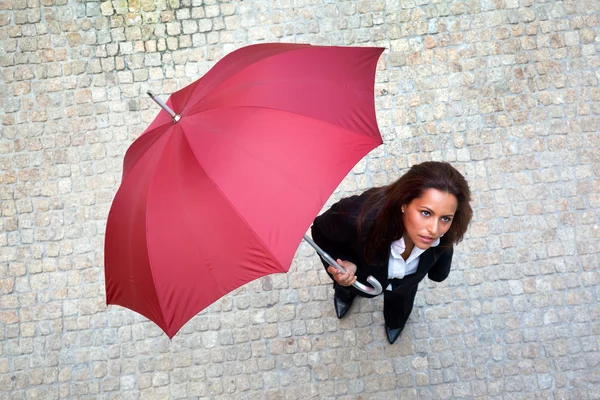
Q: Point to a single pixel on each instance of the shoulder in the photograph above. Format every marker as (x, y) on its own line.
(351, 204)
(443, 248)
(443, 253)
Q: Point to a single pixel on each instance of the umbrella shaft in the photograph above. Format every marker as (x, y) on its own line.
(164, 106)
(323, 254)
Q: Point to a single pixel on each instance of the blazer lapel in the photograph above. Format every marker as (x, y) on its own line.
(426, 260)
(380, 270)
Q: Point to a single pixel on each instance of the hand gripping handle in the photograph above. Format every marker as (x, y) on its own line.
(373, 291)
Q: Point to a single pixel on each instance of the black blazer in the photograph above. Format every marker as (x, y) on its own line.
(335, 231)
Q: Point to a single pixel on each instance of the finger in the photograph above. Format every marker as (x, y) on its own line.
(332, 270)
(346, 265)
(338, 271)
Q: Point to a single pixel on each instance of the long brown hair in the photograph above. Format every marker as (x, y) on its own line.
(382, 208)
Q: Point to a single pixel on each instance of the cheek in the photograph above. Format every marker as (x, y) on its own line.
(446, 227)
(413, 222)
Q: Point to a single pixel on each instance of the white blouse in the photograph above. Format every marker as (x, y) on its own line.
(397, 267)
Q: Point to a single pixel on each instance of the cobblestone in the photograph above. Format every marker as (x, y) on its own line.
(505, 90)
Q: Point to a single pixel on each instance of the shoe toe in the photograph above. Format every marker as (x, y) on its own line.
(341, 307)
(392, 333)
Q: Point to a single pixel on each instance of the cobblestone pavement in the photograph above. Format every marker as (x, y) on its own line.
(506, 90)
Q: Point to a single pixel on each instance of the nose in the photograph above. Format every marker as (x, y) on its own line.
(433, 227)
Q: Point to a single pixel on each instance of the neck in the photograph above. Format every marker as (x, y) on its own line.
(409, 245)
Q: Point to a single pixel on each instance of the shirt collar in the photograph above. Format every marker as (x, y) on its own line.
(398, 247)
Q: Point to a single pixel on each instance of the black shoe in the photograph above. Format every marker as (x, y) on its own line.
(341, 307)
(393, 333)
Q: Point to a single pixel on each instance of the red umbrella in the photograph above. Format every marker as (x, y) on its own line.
(222, 192)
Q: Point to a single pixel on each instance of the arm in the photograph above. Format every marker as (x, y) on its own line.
(441, 269)
(335, 230)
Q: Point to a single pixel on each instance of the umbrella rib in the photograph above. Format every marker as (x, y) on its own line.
(223, 292)
(155, 140)
(150, 187)
(259, 60)
(323, 83)
(276, 170)
(290, 112)
(135, 165)
(377, 142)
(197, 108)
(163, 313)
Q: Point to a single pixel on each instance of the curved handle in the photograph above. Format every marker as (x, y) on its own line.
(373, 291)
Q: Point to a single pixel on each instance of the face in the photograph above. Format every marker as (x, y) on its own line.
(428, 217)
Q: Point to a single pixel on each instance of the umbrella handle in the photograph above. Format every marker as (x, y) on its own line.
(373, 291)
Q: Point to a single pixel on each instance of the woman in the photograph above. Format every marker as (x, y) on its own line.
(398, 233)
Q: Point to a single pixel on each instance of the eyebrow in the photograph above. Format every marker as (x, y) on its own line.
(431, 211)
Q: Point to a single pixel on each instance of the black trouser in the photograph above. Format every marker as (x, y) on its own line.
(397, 304)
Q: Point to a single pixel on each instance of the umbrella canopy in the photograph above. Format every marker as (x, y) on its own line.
(222, 194)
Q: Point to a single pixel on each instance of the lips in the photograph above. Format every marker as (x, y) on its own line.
(426, 239)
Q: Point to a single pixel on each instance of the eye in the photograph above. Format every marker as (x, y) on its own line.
(425, 213)
(446, 219)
